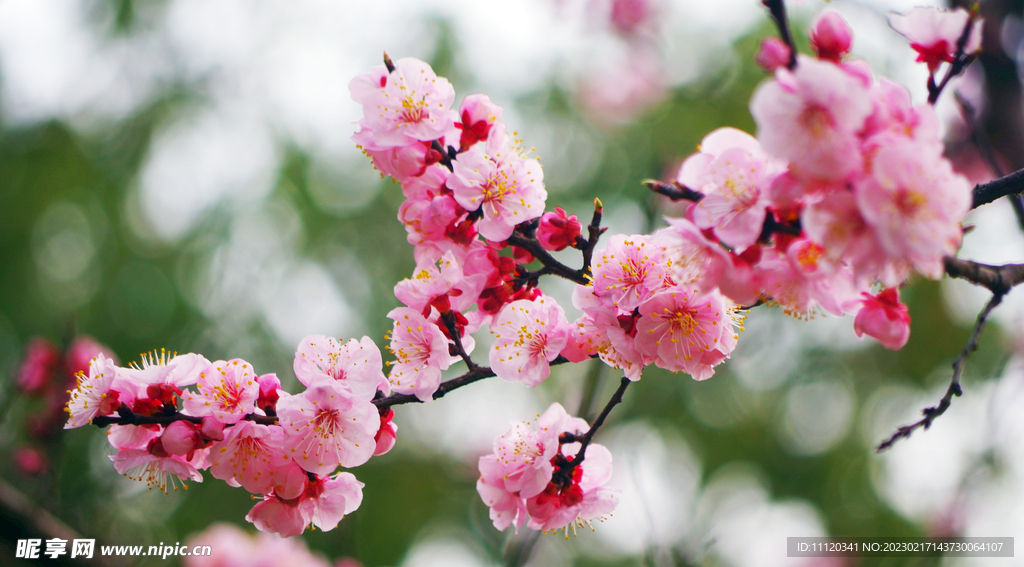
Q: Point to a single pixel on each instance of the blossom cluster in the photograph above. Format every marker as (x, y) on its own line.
(187, 414)
(520, 483)
(841, 196)
(844, 189)
(232, 547)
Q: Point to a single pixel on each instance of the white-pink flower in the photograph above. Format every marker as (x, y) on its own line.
(915, 202)
(508, 187)
(686, 330)
(157, 468)
(96, 394)
(227, 390)
(934, 33)
(801, 278)
(811, 117)
(327, 426)
(422, 352)
(411, 104)
(529, 334)
(357, 364)
(628, 270)
(435, 283)
(735, 175)
(323, 503)
(249, 455)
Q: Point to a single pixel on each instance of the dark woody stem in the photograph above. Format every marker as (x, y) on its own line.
(563, 475)
(552, 266)
(960, 62)
(449, 321)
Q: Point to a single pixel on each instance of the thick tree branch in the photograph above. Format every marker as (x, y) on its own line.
(998, 279)
(985, 193)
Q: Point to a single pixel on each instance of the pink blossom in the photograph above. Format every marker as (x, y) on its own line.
(801, 279)
(895, 117)
(603, 330)
(41, 360)
(355, 364)
(528, 336)
(831, 37)
(685, 330)
(431, 284)
(411, 104)
(733, 204)
(403, 163)
(774, 53)
(249, 455)
(508, 187)
(132, 436)
(422, 352)
(169, 370)
(628, 270)
(98, 393)
(478, 115)
(811, 117)
(428, 219)
(630, 16)
(233, 547)
(934, 33)
(584, 500)
(270, 392)
(835, 222)
(915, 203)
(692, 259)
(156, 467)
(558, 231)
(327, 426)
(323, 503)
(883, 317)
(520, 466)
(227, 390)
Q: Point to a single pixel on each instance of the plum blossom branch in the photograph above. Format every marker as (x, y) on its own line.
(594, 232)
(954, 389)
(448, 319)
(997, 279)
(985, 193)
(777, 9)
(674, 191)
(553, 266)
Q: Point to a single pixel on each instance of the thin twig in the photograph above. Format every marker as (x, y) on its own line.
(594, 232)
(563, 475)
(954, 384)
(449, 321)
(998, 279)
(674, 191)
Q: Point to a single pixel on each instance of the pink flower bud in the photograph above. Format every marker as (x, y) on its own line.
(774, 54)
(269, 385)
(40, 359)
(831, 38)
(385, 437)
(478, 114)
(212, 429)
(884, 318)
(179, 438)
(557, 231)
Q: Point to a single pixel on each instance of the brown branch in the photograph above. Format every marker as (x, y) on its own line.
(594, 232)
(998, 279)
(449, 321)
(563, 476)
(985, 193)
(931, 413)
(674, 191)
